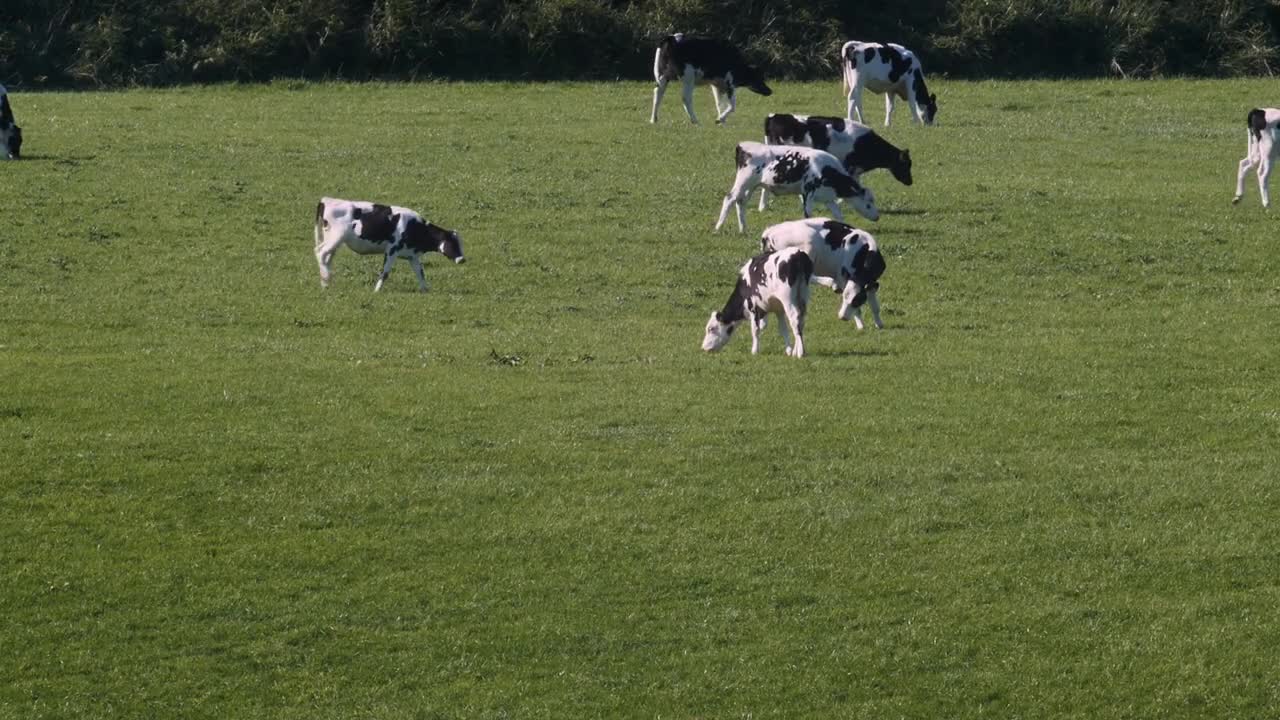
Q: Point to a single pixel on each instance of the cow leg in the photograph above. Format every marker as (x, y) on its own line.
(1245, 166)
(764, 198)
(795, 318)
(874, 302)
(324, 256)
(657, 99)
(836, 213)
(888, 107)
(416, 262)
(1264, 176)
(737, 195)
(757, 325)
(715, 95)
(855, 100)
(386, 270)
(687, 94)
(806, 205)
(733, 105)
(783, 322)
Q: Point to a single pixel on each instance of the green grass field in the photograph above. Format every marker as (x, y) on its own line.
(1046, 489)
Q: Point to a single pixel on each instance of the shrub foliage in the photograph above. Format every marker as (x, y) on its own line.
(143, 42)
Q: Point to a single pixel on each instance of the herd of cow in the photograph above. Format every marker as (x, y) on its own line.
(820, 159)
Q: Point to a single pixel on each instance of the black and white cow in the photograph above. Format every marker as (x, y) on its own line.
(859, 147)
(844, 258)
(771, 282)
(387, 230)
(695, 59)
(1261, 151)
(10, 133)
(889, 69)
(814, 175)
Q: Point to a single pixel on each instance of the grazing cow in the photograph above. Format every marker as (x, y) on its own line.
(771, 282)
(695, 59)
(814, 175)
(889, 69)
(1261, 151)
(856, 145)
(387, 230)
(10, 133)
(844, 258)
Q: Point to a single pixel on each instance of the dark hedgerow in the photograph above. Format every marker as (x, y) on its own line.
(139, 42)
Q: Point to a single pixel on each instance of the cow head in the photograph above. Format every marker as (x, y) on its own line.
(451, 247)
(854, 193)
(752, 79)
(867, 268)
(901, 167)
(717, 333)
(12, 142)
(930, 108)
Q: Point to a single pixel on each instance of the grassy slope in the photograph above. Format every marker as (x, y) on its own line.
(1046, 488)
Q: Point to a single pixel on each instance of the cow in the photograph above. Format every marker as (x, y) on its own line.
(889, 69)
(697, 59)
(373, 229)
(771, 282)
(10, 133)
(814, 175)
(856, 145)
(844, 258)
(1260, 152)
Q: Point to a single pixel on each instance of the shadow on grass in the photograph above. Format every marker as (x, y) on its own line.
(849, 353)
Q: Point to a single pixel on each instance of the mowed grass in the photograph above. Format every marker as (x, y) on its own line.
(1046, 489)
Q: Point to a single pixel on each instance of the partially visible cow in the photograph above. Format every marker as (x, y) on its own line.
(10, 133)
(844, 258)
(387, 230)
(889, 69)
(814, 175)
(695, 59)
(854, 144)
(772, 282)
(1261, 151)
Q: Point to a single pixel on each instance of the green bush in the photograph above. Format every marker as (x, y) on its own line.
(127, 42)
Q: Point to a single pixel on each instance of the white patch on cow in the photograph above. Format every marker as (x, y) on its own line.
(1261, 153)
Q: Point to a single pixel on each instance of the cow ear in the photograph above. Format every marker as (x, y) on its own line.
(933, 98)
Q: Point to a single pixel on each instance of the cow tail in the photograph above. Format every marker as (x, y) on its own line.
(319, 223)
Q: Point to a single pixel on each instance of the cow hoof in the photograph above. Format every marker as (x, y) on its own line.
(1235, 200)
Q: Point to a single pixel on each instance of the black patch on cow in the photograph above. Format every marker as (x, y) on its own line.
(790, 168)
(836, 123)
(869, 54)
(377, 225)
(14, 143)
(1256, 122)
(423, 237)
(899, 65)
(6, 113)
(796, 269)
(868, 266)
(741, 157)
(784, 129)
(923, 98)
(319, 212)
(837, 233)
(717, 61)
(735, 310)
(872, 152)
(843, 185)
(9, 129)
